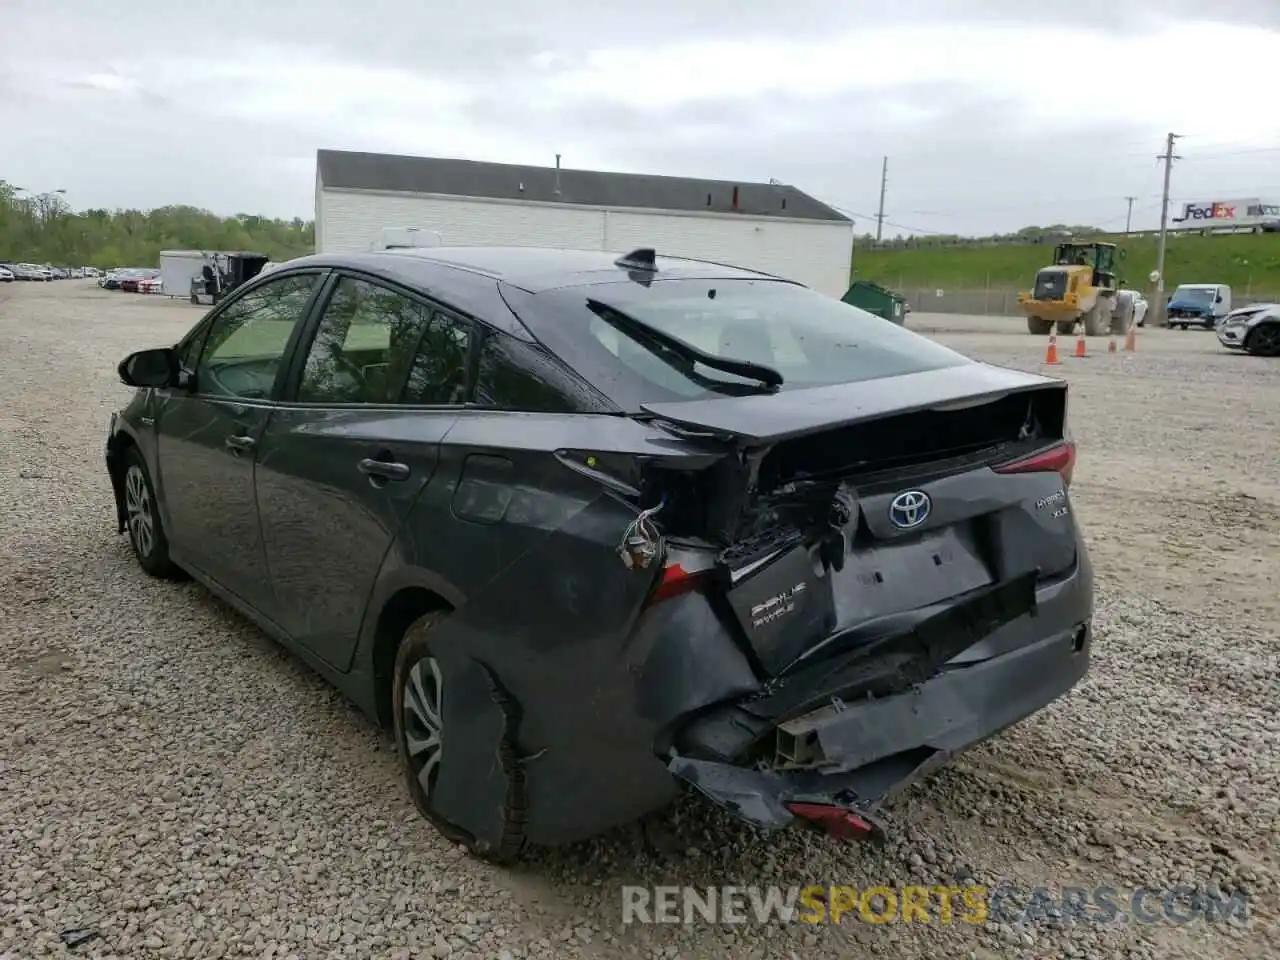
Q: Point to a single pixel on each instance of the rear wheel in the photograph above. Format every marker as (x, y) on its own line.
(1122, 315)
(1039, 326)
(1066, 327)
(1097, 321)
(1263, 340)
(418, 700)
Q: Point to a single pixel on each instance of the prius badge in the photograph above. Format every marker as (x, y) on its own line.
(910, 509)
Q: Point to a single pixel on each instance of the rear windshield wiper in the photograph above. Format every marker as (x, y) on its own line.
(655, 340)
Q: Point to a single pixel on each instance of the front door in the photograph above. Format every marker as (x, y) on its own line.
(209, 432)
(341, 465)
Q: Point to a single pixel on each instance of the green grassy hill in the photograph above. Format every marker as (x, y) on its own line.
(1248, 262)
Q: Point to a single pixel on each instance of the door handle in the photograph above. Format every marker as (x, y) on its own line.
(239, 443)
(384, 469)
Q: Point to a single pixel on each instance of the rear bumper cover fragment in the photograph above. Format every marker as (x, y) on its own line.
(877, 748)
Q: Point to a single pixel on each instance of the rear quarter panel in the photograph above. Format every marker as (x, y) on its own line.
(526, 552)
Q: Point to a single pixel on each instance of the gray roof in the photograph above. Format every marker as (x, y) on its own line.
(504, 181)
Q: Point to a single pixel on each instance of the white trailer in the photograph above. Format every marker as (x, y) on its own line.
(178, 268)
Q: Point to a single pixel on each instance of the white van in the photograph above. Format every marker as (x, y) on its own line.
(1198, 305)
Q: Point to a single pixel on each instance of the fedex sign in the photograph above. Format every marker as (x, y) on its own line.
(1209, 211)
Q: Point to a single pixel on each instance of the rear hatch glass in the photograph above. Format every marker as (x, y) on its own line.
(810, 339)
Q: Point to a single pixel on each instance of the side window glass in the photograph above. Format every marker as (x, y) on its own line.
(364, 345)
(439, 371)
(245, 344)
(189, 355)
(516, 376)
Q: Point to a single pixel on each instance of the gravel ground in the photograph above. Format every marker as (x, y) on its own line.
(174, 781)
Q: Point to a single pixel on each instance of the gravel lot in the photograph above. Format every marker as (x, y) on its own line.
(173, 780)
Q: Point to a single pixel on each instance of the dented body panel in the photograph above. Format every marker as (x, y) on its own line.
(809, 595)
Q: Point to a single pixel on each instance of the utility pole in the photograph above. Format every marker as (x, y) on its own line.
(1128, 217)
(1167, 157)
(884, 180)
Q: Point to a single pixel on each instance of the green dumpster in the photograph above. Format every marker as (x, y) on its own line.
(874, 298)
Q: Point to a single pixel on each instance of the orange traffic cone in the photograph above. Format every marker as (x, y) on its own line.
(1080, 346)
(1051, 354)
(1131, 338)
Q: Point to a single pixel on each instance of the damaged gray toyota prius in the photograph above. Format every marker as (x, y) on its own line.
(587, 530)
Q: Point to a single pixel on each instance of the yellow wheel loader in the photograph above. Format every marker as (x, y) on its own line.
(1079, 287)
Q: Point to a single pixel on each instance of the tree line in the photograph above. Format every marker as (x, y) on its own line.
(1054, 233)
(43, 228)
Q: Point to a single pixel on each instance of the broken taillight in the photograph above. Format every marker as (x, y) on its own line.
(837, 821)
(1059, 459)
(674, 581)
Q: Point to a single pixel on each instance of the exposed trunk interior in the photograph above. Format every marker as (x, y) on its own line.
(807, 546)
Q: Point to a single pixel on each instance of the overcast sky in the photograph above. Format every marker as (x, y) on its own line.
(993, 116)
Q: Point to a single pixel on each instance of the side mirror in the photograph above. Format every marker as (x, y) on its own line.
(150, 368)
(1218, 298)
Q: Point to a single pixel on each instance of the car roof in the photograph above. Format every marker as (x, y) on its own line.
(534, 268)
(468, 278)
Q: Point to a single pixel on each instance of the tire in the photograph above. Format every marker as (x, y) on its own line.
(1038, 326)
(1097, 321)
(415, 664)
(146, 530)
(1066, 327)
(1263, 340)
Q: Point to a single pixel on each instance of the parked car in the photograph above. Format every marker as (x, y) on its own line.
(6, 275)
(587, 531)
(151, 285)
(129, 283)
(1198, 305)
(1255, 329)
(126, 278)
(28, 271)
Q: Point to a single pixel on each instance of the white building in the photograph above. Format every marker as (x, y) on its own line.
(770, 227)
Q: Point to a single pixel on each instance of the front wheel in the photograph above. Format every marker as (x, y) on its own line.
(1039, 326)
(1264, 340)
(418, 710)
(142, 514)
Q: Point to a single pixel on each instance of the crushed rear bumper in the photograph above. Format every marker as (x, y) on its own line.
(860, 753)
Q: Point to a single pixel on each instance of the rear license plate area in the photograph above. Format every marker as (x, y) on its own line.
(888, 578)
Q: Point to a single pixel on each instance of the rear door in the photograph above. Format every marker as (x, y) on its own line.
(342, 463)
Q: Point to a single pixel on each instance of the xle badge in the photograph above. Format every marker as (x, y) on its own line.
(776, 606)
(1057, 500)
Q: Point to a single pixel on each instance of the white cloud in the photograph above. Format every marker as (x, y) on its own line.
(1056, 76)
(977, 115)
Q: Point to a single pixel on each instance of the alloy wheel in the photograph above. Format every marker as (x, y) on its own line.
(423, 721)
(138, 507)
(1266, 340)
